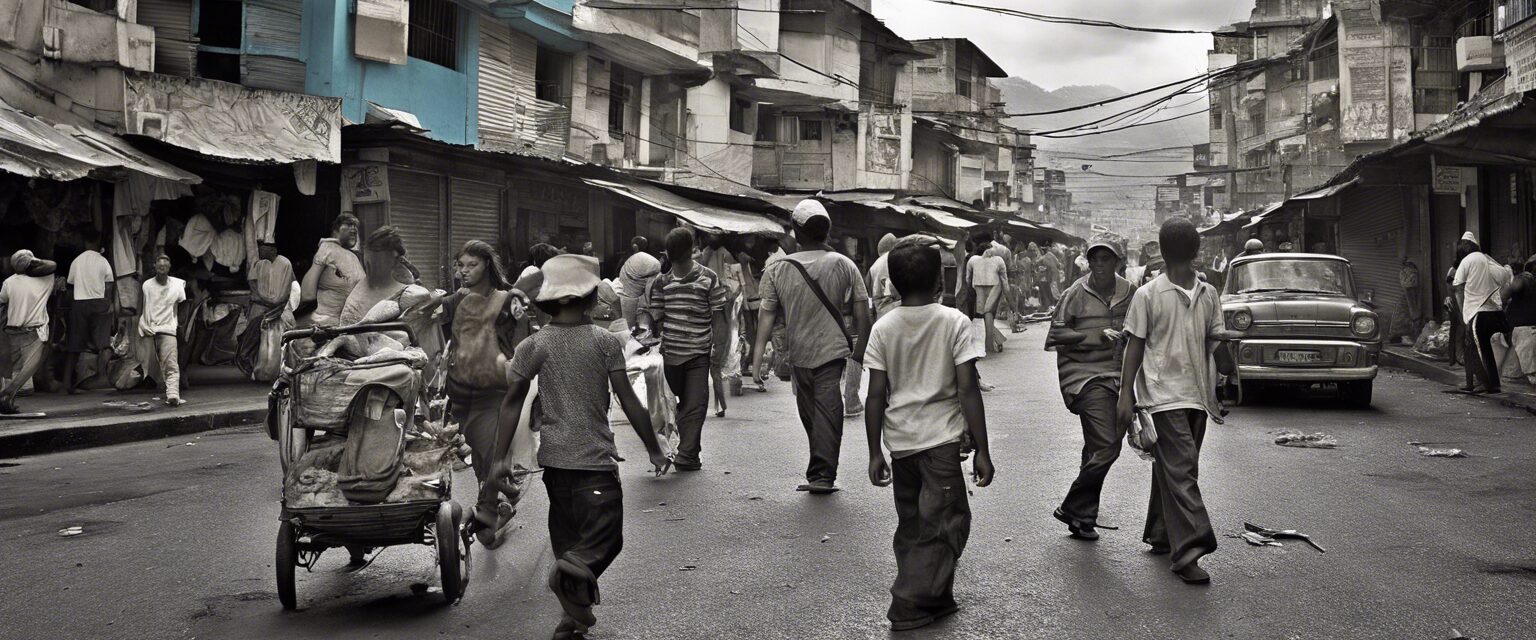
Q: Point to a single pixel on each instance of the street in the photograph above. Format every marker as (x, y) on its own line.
(178, 536)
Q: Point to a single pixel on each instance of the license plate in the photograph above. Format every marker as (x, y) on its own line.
(1298, 357)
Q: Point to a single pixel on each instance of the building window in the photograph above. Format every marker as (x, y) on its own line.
(621, 87)
(434, 32)
(741, 109)
(964, 65)
(220, 29)
(767, 128)
(551, 69)
(810, 130)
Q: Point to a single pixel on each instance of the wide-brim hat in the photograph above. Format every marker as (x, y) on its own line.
(568, 276)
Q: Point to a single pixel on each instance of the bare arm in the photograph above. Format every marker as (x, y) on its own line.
(861, 324)
(1135, 350)
(765, 318)
(639, 418)
(975, 414)
(309, 288)
(875, 402)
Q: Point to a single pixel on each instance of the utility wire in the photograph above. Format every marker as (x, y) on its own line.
(1129, 126)
(1085, 22)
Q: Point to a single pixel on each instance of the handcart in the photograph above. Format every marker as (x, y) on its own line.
(302, 404)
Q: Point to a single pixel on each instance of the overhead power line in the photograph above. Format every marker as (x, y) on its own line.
(1129, 126)
(1082, 22)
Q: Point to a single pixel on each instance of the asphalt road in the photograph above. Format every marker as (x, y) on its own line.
(178, 538)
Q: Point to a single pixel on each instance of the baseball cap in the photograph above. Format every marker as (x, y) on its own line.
(806, 210)
(1107, 242)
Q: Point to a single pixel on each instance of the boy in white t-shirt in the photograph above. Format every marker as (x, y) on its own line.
(923, 398)
(158, 323)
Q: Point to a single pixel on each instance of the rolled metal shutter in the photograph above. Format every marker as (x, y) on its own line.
(172, 20)
(498, 87)
(415, 207)
(1371, 232)
(272, 29)
(475, 214)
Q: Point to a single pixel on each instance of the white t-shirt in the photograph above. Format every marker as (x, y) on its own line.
(1177, 325)
(1481, 279)
(26, 302)
(160, 300)
(918, 348)
(89, 275)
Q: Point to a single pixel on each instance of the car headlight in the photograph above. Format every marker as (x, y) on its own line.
(1364, 325)
(1242, 319)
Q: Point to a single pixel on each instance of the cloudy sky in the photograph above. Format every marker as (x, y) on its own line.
(1052, 55)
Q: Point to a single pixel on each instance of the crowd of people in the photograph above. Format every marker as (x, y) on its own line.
(1492, 309)
(801, 310)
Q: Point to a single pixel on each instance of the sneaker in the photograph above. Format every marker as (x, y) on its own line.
(569, 628)
(685, 465)
(985, 387)
(8, 409)
(575, 590)
(853, 412)
(922, 621)
(174, 402)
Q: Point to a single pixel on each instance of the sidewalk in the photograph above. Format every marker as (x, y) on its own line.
(219, 397)
(1515, 393)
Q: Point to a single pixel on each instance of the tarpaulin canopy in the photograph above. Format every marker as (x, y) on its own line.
(703, 216)
(1317, 194)
(36, 148)
(936, 216)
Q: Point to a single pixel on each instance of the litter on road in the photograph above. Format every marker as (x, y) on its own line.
(1306, 440)
(1276, 534)
(71, 531)
(1431, 452)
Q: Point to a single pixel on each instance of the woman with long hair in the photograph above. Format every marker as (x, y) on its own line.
(485, 317)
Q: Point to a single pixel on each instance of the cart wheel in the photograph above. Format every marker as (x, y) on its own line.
(452, 551)
(287, 562)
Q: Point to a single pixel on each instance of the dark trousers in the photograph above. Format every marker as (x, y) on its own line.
(1176, 516)
(1479, 348)
(933, 521)
(819, 397)
(1102, 434)
(478, 412)
(689, 381)
(586, 523)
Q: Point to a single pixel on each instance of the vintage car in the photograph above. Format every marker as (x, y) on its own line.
(1301, 323)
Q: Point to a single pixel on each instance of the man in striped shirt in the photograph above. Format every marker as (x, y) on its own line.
(686, 308)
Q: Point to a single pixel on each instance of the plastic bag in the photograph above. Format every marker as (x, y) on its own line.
(269, 356)
(1142, 435)
(124, 370)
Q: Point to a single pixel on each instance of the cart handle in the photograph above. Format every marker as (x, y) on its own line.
(323, 334)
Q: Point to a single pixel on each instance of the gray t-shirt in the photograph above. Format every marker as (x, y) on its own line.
(814, 337)
(572, 363)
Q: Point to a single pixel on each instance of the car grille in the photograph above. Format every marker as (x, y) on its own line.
(1299, 329)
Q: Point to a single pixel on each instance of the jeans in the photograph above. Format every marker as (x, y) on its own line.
(819, 398)
(1176, 517)
(689, 381)
(1479, 345)
(933, 521)
(586, 524)
(1102, 434)
(167, 364)
(25, 355)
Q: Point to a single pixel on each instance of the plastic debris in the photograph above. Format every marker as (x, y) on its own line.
(687, 567)
(1432, 452)
(184, 444)
(1007, 539)
(1282, 534)
(1259, 540)
(71, 531)
(1306, 440)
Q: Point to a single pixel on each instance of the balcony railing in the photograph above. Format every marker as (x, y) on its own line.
(1480, 26)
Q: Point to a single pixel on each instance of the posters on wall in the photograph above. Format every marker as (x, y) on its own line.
(227, 120)
(1520, 56)
(1365, 109)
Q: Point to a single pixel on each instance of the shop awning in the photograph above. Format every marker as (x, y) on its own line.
(936, 216)
(703, 216)
(1258, 218)
(36, 148)
(1318, 194)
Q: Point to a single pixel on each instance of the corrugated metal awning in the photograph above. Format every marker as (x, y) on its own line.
(935, 216)
(35, 148)
(703, 216)
(1317, 194)
(1258, 218)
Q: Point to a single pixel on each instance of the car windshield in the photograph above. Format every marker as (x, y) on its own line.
(1297, 276)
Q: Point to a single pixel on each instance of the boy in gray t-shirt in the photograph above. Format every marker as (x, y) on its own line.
(577, 364)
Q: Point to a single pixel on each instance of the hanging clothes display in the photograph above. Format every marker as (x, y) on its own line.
(260, 223)
(199, 236)
(229, 249)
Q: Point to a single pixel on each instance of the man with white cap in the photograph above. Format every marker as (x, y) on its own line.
(24, 302)
(1086, 334)
(1478, 287)
(816, 287)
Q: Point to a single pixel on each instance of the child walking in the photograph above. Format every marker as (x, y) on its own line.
(576, 363)
(923, 397)
(1175, 327)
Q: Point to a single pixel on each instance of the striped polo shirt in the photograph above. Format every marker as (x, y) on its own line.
(685, 306)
